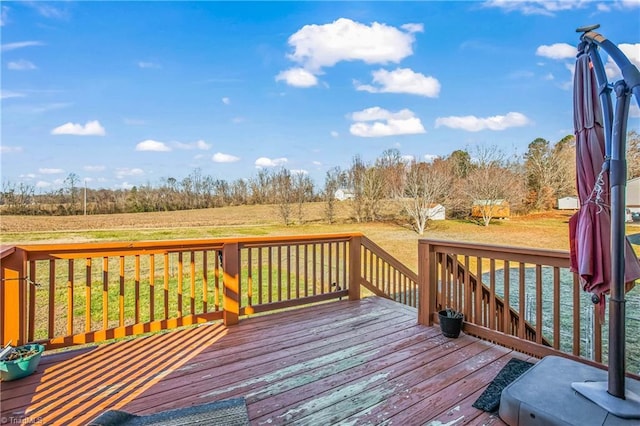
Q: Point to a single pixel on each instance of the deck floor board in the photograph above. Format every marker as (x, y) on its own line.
(347, 362)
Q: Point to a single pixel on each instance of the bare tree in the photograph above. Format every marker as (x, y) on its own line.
(332, 181)
(633, 154)
(302, 188)
(356, 184)
(492, 179)
(547, 172)
(261, 188)
(284, 194)
(392, 167)
(17, 199)
(239, 192)
(373, 192)
(72, 189)
(426, 185)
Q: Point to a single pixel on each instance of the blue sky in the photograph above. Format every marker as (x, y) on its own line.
(130, 93)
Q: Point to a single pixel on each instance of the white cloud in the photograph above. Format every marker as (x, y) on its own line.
(43, 184)
(385, 123)
(413, 28)
(634, 110)
(219, 157)
(334, 134)
(94, 168)
(19, 45)
(402, 80)
(430, 158)
(226, 100)
(298, 172)
(631, 51)
(50, 171)
(557, 51)
(536, 7)
(91, 128)
(6, 94)
(297, 77)
(377, 113)
(407, 158)
(4, 149)
(21, 65)
(47, 10)
(472, 123)
(200, 144)
(3, 15)
(316, 163)
(151, 145)
(143, 64)
(28, 176)
(268, 162)
(125, 172)
(125, 185)
(238, 120)
(318, 46)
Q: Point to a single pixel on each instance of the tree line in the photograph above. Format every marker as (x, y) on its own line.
(532, 182)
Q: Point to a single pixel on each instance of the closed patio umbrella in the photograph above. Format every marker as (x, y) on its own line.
(600, 252)
(590, 227)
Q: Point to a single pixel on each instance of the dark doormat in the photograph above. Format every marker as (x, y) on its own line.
(231, 412)
(490, 398)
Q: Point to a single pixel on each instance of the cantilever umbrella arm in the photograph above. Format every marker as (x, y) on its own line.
(630, 73)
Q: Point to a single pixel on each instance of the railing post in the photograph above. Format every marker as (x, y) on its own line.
(13, 298)
(355, 266)
(231, 284)
(426, 284)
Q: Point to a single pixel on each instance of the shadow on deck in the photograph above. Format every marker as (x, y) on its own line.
(356, 362)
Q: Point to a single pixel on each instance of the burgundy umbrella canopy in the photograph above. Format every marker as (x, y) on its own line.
(590, 227)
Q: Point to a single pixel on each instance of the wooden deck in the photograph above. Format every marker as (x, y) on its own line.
(348, 362)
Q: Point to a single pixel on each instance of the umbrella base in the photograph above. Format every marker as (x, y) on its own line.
(627, 408)
(544, 395)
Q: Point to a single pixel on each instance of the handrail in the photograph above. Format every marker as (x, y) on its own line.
(530, 333)
(65, 294)
(523, 290)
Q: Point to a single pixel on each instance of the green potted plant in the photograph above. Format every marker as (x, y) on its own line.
(450, 322)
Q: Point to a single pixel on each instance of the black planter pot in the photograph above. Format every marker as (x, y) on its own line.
(450, 326)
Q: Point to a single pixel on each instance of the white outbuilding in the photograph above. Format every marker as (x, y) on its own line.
(633, 194)
(344, 194)
(568, 203)
(436, 212)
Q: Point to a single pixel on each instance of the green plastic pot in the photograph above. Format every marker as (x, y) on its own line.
(23, 367)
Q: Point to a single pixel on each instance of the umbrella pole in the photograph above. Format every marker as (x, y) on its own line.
(612, 396)
(617, 181)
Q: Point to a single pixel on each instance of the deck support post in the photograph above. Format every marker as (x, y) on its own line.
(231, 284)
(426, 284)
(355, 266)
(13, 298)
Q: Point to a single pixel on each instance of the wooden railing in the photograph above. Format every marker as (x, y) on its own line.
(66, 294)
(519, 297)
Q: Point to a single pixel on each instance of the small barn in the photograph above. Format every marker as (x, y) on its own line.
(499, 208)
(633, 194)
(344, 194)
(568, 203)
(436, 212)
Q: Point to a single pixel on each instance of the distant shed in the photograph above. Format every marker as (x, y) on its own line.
(633, 194)
(499, 208)
(568, 203)
(436, 212)
(344, 194)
